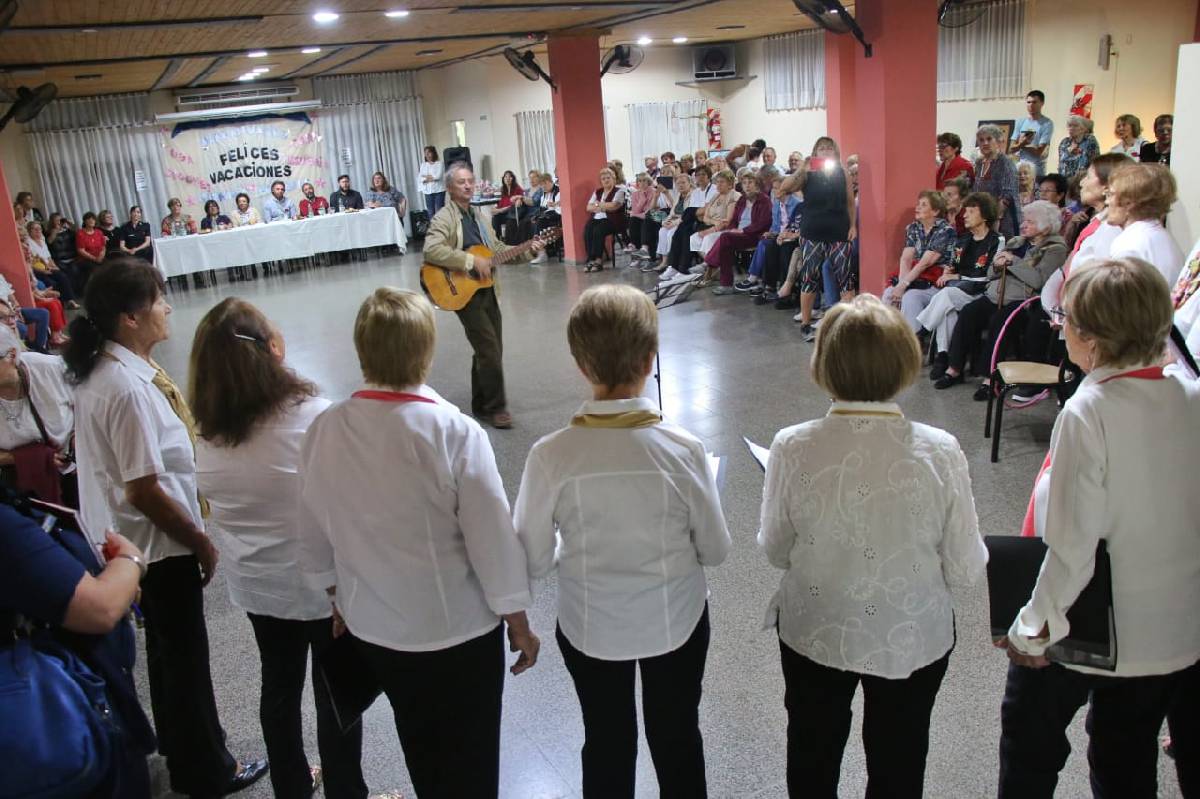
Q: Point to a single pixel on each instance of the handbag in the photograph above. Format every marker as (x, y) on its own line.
(36, 469)
(972, 287)
(659, 214)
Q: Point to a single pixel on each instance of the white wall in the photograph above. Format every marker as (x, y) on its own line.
(18, 162)
(1184, 221)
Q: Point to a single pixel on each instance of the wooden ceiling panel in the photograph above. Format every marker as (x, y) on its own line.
(416, 56)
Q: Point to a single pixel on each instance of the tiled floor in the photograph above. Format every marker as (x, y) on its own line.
(729, 369)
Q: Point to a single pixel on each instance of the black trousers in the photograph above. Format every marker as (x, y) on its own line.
(680, 256)
(181, 692)
(60, 283)
(498, 220)
(484, 327)
(447, 707)
(776, 261)
(973, 320)
(283, 647)
(1183, 720)
(895, 726)
(671, 687)
(594, 234)
(1039, 341)
(1124, 717)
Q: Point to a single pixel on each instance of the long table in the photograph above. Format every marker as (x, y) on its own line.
(278, 241)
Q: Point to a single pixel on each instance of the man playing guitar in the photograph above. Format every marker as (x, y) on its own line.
(453, 229)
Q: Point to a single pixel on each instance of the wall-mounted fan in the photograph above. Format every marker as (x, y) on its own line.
(29, 103)
(527, 65)
(833, 16)
(622, 59)
(959, 13)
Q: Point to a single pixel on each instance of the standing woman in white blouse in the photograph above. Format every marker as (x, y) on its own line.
(251, 413)
(872, 519)
(430, 178)
(412, 534)
(636, 516)
(1124, 457)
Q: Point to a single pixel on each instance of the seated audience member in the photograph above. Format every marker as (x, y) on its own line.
(795, 162)
(32, 325)
(618, 170)
(687, 164)
(214, 219)
(965, 277)
(717, 215)
(1026, 183)
(60, 237)
(1022, 277)
(91, 245)
(547, 215)
(42, 264)
(667, 159)
(1186, 298)
(48, 300)
(996, 175)
(1052, 187)
(955, 191)
(245, 214)
(312, 204)
(252, 412)
(659, 210)
(1140, 195)
(681, 193)
(951, 163)
(1159, 150)
(641, 199)
(510, 192)
(929, 242)
(1121, 470)
(625, 508)
(607, 210)
(426, 572)
(837, 613)
(1128, 130)
(345, 198)
(383, 194)
(1077, 150)
(38, 413)
(175, 223)
(750, 219)
(777, 256)
(769, 156)
(134, 237)
(700, 157)
(679, 259)
(278, 206)
(106, 222)
(24, 205)
(651, 166)
(782, 206)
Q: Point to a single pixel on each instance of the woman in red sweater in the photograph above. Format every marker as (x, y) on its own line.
(90, 244)
(509, 191)
(751, 218)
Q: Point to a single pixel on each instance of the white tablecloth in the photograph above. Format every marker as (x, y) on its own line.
(278, 241)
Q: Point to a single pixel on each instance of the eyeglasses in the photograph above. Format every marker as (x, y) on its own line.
(1058, 315)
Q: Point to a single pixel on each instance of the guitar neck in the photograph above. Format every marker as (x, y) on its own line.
(513, 252)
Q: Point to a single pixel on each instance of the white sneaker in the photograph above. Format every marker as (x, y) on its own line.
(670, 274)
(540, 259)
(698, 269)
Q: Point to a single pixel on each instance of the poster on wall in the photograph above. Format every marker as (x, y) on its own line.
(1081, 101)
(215, 159)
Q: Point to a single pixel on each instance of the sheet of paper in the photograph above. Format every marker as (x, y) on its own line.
(760, 454)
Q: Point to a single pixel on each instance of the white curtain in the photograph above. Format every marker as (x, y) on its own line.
(373, 123)
(535, 140)
(98, 153)
(986, 59)
(794, 74)
(655, 128)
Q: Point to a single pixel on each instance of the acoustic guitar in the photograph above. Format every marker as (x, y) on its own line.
(452, 289)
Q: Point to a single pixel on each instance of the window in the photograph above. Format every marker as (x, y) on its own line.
(795, 71)
(458, 132)
(983, 56)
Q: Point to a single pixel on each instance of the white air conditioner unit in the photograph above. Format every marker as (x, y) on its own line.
(236, 94)
(713, 62)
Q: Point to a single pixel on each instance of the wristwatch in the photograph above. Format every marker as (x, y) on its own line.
(137, 559)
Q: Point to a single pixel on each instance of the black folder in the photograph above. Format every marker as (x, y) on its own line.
(1013, 566)
(349, 680)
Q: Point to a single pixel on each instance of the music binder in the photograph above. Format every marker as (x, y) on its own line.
(348, 678)
(1014, 563)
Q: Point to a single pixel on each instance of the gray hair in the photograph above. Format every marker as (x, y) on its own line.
(457, 166)
(990, 130)
(769, 173)
(9, 341)
(1088, 125)
(1045, 215)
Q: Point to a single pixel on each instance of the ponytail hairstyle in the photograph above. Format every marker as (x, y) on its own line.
(236, 380)
(121, 285)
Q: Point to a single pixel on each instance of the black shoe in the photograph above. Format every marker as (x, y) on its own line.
(249, 774)
(982, 393)
(785, 303)
(940, 362)
(947, 380)
(756, 289)
(809, 332)
(767, 297)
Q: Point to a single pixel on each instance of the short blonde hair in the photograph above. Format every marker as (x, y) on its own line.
(865, 351)
(613, 333)
(726, 174)
(1148, 189)
(1124, 306)
(394, 335)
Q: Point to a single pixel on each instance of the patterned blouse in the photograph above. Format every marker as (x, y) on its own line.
(1074, 157)
(941, 237)
(998, 177)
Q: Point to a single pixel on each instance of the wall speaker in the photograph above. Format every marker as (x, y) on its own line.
(1105, 51)
(452, 154)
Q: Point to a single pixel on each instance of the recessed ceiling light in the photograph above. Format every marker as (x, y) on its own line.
(88, 30)
(679, 39)
(260, 70)
(325, 16)
(645, 40)
(247, 76)
(311, 50)
(257, 54)
(429, 52)
(400, 12)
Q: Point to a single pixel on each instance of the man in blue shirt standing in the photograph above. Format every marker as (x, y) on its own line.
(278, 206)
(1032, 136)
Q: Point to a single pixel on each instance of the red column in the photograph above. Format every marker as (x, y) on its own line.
(896, 96)
(579, 145)
(12, 260)
(841, 110)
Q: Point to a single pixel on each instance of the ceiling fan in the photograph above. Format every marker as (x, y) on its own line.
(833, 16)
(959, 13)
(29, 103)
(527, 65)
(622, 59)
